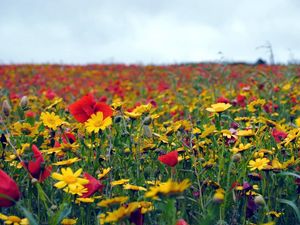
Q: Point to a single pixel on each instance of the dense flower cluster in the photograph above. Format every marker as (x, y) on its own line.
(178, 144)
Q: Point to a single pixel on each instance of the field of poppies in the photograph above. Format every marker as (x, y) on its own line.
(154, 145)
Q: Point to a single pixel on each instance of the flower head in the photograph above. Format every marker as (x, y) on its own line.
(15, 220)
(87, 106)
(70, 180)
(51, 120)
(97, 122)
(9, 190)
(170, 159)
(218, 107)
(168, 188)
(37, 168)
(93, 185)
(258, 164)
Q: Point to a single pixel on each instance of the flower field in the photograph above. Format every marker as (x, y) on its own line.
(155, 145)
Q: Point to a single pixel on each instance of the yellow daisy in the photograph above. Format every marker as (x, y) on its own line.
(69, 221)
(51, 120)
(15, 220)
(96, 123)
(113, 201)
(218, 107)
(69, 179)
(168, 188)
(258, 164)
(119, 182)
(133, 187)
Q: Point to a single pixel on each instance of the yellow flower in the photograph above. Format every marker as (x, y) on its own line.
(15, 220)
(218, 107)
(72, 181)
(258, 164)
(219, 195)
(168, 188)
(125, 211)
(256, 103)
(113, 201)
(120, 213)
(275, 214)
(245, 133)
(297, 121)
(69, 221)
(85, 200)
(96, 123)
(138, 111)
(133, 187)
(119, 182)
(51, 120)
(25, 129)
(66, 162)
(241, 148)
(208, 130)
(104, 173)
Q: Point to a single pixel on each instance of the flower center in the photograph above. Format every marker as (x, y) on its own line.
(70, 179)
(98, 123)
(25, 131)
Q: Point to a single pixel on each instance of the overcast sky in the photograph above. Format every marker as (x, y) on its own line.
(147, 31)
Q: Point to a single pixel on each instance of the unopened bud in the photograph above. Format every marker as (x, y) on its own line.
(147, 131)
(6, 108)
(259, 200)
(34, 180)
(24, 102)
(236, 157)
(53, 207)
(147, 120)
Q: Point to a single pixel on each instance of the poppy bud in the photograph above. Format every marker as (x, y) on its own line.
(147, 120)
(9, 190)
(259, 200)
(6, 108)
(24, 102)
(147, 131)
(236, 157)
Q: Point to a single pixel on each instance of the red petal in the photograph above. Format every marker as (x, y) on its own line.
(83, 108)
(170, 159)
(104, 108)
(93, 185)
(9, 188)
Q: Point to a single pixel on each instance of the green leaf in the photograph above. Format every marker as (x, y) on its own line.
(289, 174)
(28, 215)
(291, 204)
(63, 212)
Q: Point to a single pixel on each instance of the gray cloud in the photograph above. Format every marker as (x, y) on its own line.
(157, 31)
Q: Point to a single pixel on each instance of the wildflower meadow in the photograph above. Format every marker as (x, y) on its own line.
(189, 144)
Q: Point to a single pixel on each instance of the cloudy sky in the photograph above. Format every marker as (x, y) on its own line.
(148, 31)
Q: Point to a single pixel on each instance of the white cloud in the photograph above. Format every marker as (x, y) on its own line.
(157, 31)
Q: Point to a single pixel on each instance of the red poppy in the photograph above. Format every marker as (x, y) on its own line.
(181, 222)
(170, 159)
(86, 106)
(93, 185)
(223, 100)
(9, 190)
(278, 135)
(37, 168)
